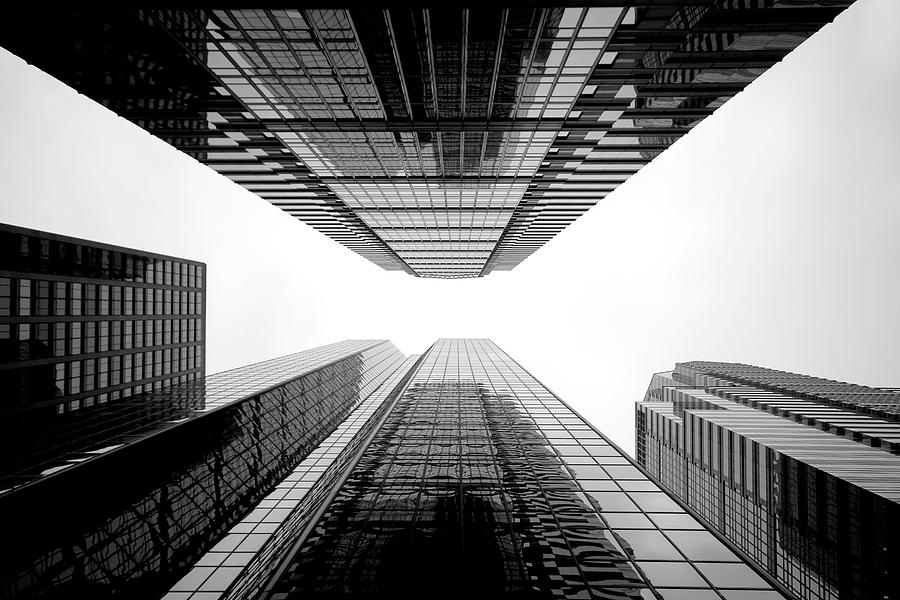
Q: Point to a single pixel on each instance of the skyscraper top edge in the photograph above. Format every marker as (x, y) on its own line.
(59, 237)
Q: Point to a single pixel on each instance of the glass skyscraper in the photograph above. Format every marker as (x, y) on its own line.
(84, 326)
(354, 471)
(83, 323)
(120, 499)
(444, 142)
(801, 473)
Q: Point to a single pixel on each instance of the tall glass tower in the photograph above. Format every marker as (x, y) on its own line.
(442, 141)
(143, 487)
(352, 471)
(801, 473)
(84, 323)
(84, 328)
(469, 478)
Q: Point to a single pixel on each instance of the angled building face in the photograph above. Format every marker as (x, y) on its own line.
(83, 326)
(801, 473)
(469, 478)
(354, 471)
(124, 498)
(442, 142)
(84, 323)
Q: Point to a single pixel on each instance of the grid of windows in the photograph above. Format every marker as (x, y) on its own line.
(793, 481)
(82, 324)
(441, 190)
(870, 414)
(441, 141)
(244, 558)
(188, 465)
(481, 481)
(43, 449)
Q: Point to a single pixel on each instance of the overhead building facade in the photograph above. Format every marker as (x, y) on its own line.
(801, 473)
(440, 141)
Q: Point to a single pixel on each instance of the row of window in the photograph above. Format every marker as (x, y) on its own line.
(46, 340)
(114, 395)
(26, 297)
(33, 254)
(42, 383)
(195, 492)
(724, 486)
(91, 374)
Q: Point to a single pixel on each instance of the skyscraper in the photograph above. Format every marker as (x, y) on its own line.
(354, 471)
(370, 474)
(85, 324)
(440, 141)
(801, 473)
(120, 499)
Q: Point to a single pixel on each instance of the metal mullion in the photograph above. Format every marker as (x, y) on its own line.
(321, 43)
(430, 447)
(462, 113)
(393, 41)
(298, 105)
(632, 462)
(202, 61)
(508, 370)
(426, 16)
(459, 429)
(517, 175)
(600, 54)
(556, 80)
(490, 379)
(349, 97)
(490, 107)
(306, 74)
(562, 64)
(484, 141)
(536, 42)
(303, 70)
(243, 74)
(297, 545)
(515, 111)
(405, 90)
(506, 416)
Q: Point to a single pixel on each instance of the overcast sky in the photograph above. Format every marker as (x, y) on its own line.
(769, 235)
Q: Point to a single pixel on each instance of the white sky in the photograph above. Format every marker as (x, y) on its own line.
(769, 235)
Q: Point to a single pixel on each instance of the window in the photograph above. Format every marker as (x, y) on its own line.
(5, 296)
(75, 299)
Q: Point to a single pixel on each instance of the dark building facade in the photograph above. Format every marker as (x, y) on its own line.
(801, 473)
(83, 327)
(144, 487)
(469, 479)
(445, 142)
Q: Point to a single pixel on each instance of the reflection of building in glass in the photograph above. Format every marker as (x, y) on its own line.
(469, 478)
(85, 326)
(801, 473)
(88, 331)
(145, 486)
(443, 142)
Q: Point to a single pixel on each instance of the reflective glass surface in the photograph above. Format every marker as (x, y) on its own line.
(480, 481)
(800, 473)
(261, 539)
(442, 141)
(144, 498)
(84, 328)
